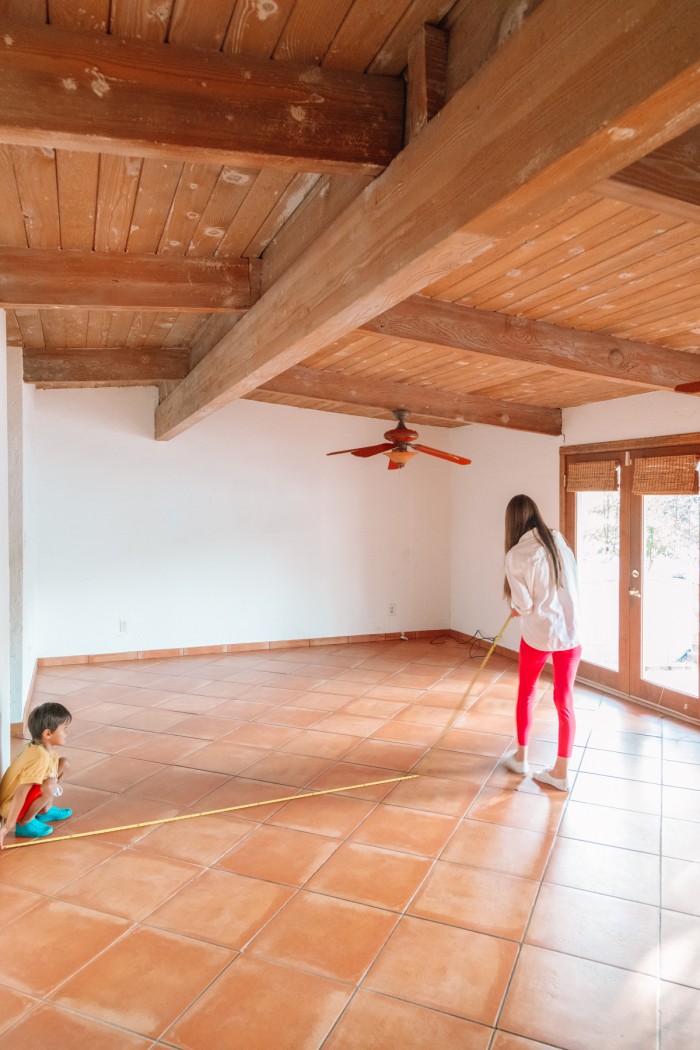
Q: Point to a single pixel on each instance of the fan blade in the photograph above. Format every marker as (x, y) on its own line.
(395, 466)
(688, 388)
(442, 455)
(369, 450)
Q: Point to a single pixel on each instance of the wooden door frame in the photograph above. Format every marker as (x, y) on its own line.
(623, 681)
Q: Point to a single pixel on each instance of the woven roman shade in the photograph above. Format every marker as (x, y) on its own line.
(596, 476)
(665, 476)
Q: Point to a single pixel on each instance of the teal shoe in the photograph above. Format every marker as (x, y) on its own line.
(33, 829)
(54, 814)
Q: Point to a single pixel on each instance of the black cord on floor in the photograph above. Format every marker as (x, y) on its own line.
(440, 639)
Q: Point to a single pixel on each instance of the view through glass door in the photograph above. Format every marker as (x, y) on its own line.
(638, 553)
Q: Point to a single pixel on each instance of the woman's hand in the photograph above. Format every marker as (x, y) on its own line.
(514, 612)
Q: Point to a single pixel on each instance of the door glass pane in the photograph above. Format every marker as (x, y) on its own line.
(670, 592)
(598, 555)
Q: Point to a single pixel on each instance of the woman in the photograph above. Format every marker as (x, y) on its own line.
(542, 587)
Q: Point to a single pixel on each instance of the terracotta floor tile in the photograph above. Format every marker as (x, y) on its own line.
(369, 875)
(180, 785)
(617, 792)
(259, 735)
(162, 747)
(333, 815)
(681, 803)
(475, 742)
(279, 855)
(498, 847)
(50, 1026)
(241, 710)
(593, 926)
(221, 756)
(612, 764)
(220, 688)
(319, 745)
(456, 765)
(682, 774)
(206, 727)
(508, 1041)
(576, 1004)
(680, 885)
(476, 899)
(319, 701)
(605, 869)
(68, 860)
(294, 717)
(435, 795)
(681, 839)
(445, 968)
(13, 1006)
(16, 901)
(681, 750)
(251, 794)
(258, 1005)
(374, 708)
(406, 830)
(391, 755)
(111, 739)
(612, 827)
(351, 725)
(408, 733)
(189, 703)
(145, 980)
(423, 715)
(305, 935)
(284, 768)
(200, 841)
(130, 884)
(519, 809)
(118, 812)
(115, 773)
(378, 780)
(144, 697)
(221, 907)
(29, 959)
(680, 948)
(680, 1016)
(625, 743)
(376, 1022)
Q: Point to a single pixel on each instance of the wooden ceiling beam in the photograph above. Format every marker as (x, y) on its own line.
(43, 278)
(87, 366)
(667, 180)
(442, 404)
(547, 117)
(100, 93)
(595, 354)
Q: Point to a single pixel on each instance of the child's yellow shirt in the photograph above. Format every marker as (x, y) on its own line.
(33, 765)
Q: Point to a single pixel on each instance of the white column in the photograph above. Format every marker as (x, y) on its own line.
(5, 601)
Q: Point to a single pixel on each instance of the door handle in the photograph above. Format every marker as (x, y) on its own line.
(634, 593)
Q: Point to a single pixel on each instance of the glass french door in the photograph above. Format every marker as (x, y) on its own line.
(639, 575)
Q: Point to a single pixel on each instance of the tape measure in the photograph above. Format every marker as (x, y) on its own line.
(47, 839)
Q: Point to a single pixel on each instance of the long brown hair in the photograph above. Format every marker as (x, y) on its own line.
(522, 515)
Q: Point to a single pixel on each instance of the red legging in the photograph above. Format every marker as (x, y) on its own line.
(565, 666)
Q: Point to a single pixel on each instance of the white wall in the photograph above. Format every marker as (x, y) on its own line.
(507, 462)
(238, 530)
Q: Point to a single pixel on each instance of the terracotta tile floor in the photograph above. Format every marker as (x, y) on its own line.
(467, 909)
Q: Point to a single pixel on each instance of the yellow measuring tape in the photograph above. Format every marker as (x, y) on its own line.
(462, 703)
(207, 813)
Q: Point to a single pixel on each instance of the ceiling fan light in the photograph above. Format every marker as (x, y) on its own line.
(400, 455)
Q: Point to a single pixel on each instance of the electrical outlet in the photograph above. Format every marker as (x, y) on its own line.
(392, 609)
(122, 626)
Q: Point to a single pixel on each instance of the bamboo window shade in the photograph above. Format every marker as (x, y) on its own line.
(665, 476)
(596, 476)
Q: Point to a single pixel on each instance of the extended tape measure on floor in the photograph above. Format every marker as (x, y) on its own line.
(46, 839)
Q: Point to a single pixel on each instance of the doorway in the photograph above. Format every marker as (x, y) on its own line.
(631, 513)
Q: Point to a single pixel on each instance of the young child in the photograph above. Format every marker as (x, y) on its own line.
(32, 781)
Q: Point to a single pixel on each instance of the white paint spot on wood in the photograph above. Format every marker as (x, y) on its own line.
(621, 134)
(175, 244)
(297, 113)
(265, 9)
(99, 81)
(237, 177)
(70, 84)
(625, 276)
(134, 229)
(213, 231)
(133, 167)
(514, 273)
(194, 186)
(9, 41)
(192, 215)
(576, 251)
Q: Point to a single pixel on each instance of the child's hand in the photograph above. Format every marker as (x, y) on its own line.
(514, 612)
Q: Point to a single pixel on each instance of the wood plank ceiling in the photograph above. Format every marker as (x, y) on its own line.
(170, 170)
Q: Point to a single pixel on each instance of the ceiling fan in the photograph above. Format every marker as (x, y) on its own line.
(399, 445)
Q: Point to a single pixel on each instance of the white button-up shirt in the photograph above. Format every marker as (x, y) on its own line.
(548, 613)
